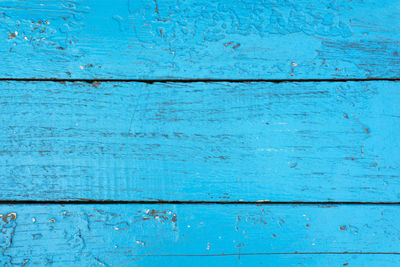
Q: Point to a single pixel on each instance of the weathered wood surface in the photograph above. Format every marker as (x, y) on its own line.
(199, 39)
(200, 141)
(159, 235)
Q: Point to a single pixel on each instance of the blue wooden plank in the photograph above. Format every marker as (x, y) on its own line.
(199, 39)
(200, 141)
(143, 235)
(316, 260)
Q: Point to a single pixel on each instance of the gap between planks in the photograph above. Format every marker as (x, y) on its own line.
(112, 202)
(151, 81)
(274, 253)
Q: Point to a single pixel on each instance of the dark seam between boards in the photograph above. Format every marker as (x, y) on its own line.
(151, 81)
(175, 202)
(274, 253)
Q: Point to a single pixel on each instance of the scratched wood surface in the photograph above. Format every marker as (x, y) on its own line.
(115, 149)
(200, 39)
(147, 235)
(200, 141)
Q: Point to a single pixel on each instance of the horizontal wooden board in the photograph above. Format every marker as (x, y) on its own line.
(199, 39)
(159, 235)
(200, 141)
(271, 260)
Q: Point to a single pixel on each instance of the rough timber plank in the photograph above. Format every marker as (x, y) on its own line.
(200, 141)
(144, 235)
(199, 39)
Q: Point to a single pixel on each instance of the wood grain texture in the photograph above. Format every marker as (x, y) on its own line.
(143, 235)
(199, 39)
(200, 141)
